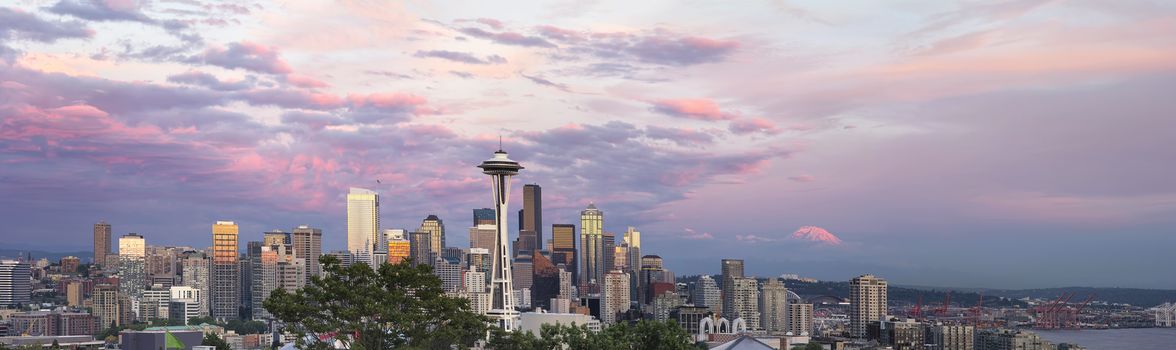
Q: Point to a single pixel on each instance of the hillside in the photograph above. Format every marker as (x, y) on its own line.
(967, 297)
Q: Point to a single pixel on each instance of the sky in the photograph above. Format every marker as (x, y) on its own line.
(1004, 144)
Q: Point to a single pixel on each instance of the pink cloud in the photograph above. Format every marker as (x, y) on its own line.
(755, 239)
(753, 125)
(696, 236)
(802, 178)
(692, 108)
(815, 234)
(490, 22)
(303, 81)
(248, 56)
(386, 100)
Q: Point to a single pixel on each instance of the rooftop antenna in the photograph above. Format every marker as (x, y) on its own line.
(500, 142)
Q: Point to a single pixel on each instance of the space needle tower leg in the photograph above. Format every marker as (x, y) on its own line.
(502, 309)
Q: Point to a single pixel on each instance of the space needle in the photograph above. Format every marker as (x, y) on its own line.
(502, 310)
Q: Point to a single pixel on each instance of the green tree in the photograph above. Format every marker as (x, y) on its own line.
(646, 334)
(394, 306)
(214, 340)
(809, 346)
(198, 320)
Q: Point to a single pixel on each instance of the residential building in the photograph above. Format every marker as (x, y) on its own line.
(731, 269)
(197, 275)
(1010, 339)
(774, 307)
(867, 298)
(108, 306)
(745, 301)
(800, 319)
(706, 293)
(949, 337)
(74, 293)
(615, 295)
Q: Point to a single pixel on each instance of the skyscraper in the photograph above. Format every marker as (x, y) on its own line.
(774, 307)
(608, 247)
(707, 293)
(102, 242)
(436, 229)
(308, 246)
(745, 301)
(633, 242)
(800, 319)
(591, 252)
(563, 249)
(107, 306)
(15, 283)
(482, 233)
(225, 278)
(421, 247)
(615, 298)
(731, 269)
(531, 219)
(501, 168)
(867, 299)
(196, 274)
(363, 221)
(132, 265)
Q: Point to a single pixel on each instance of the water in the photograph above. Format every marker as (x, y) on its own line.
(1110, 339)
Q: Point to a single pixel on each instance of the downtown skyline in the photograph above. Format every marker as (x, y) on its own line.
(943, 144)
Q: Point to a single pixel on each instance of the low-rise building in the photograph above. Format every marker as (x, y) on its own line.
(534, 321)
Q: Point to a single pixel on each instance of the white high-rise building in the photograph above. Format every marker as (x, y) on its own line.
(615, 296)
(745, 301)
(186, 302)
(363, 222)
(867, 298)
(707, 293)
(196, 275)
(132, 265)
(774, 307)
(154, 303)
(15, 283)
(633, 241)
(502, 311)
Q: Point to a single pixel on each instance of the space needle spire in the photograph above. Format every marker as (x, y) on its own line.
(502, 309)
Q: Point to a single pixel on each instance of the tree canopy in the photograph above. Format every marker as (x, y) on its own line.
(213, 340)
(393, 306)
(646, 334)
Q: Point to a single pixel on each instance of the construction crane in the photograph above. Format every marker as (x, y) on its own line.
(976, 311)
(1049, 315)
(917, 312)
(942, 310)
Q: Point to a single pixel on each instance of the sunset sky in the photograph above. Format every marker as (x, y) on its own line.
(975, 144)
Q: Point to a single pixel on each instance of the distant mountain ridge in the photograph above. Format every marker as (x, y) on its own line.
(6, 253)
(967, 297)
